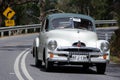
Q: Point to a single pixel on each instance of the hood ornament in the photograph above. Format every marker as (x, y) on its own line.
(79, 44)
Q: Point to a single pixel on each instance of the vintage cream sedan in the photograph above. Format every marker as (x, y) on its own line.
(70, 39)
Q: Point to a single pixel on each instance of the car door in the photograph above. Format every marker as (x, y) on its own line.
(43, 37)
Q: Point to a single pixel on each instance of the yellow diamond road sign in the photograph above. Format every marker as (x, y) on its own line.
(9, 13)
(9, 22)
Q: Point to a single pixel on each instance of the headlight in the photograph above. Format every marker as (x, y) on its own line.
(104, 46)
(52, 45)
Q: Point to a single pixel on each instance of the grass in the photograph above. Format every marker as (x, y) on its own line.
(115, 59)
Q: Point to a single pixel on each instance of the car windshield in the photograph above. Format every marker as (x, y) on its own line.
(78, 23)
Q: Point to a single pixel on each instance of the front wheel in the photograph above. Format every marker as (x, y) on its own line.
(101, 68)
(86, 67)
(38, 62)
(48, 66)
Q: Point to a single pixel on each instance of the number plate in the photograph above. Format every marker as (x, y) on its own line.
(79, 58)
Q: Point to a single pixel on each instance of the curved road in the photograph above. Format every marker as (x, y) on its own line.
(17, 63)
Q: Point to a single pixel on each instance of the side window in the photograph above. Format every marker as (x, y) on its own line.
(43, 23)
(46, 25)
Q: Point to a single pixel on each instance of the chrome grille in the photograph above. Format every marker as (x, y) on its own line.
(79, 49)
(78, 53)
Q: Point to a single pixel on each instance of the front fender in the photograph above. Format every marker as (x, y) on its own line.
(99, 45)
(36, 42)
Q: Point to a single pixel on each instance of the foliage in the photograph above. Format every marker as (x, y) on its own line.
(98, 9)
(115, 41)
(115, 59)
(50, 4)
(21, 7)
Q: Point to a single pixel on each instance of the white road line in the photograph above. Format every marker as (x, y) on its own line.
(23, 66)
(16, 66)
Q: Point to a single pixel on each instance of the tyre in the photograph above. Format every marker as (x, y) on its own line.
(101, 68)
(48, 66)
(33, 52)
(86, 67)
(38, 62)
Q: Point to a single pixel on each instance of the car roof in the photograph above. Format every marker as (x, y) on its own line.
(62, 15)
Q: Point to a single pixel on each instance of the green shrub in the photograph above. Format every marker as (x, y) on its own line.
(115, 44)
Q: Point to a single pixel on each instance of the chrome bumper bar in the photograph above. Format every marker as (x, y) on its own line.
(91, 57)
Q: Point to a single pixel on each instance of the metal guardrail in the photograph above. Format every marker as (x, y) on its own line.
(106, 22)
(105, 36)
(16, 30)
(24, 29)
(105, 33)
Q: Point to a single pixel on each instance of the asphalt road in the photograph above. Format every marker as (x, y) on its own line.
(17, 63)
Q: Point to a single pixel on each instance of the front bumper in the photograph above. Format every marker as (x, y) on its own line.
(77, 57)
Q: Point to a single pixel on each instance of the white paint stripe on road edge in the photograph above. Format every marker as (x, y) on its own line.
(23, 66)
(16, 65)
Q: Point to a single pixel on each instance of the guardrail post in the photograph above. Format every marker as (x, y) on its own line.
(17, 31)
(9, 33)
(26, 31)
(106, 36)
(2, 34)
(34, 29)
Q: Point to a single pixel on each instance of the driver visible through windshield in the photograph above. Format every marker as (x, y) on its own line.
(78, 23)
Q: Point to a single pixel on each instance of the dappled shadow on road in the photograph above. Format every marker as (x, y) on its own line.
(68, 69)
(14, 48)
(113, 70)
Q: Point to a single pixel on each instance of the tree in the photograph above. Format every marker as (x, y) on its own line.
(98, 9)
(27, 14)
(17, 5)
(115, 41)
(74, 6)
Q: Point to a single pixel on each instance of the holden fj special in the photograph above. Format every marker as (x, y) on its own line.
(70, 39)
